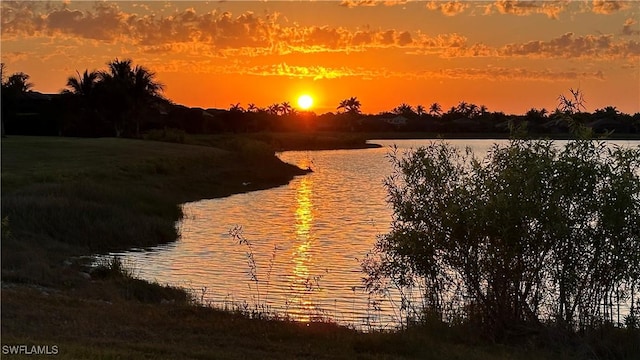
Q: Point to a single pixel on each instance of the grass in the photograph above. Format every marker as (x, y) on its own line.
(64, 199)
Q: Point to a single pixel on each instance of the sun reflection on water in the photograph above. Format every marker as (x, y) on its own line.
(302, 282)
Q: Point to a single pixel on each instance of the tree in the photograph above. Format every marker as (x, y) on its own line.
(85, 108)
(435, 109)
(85, 84)
(534, 233)
(274, 109)
(129, 91)
(251, 107)
(286, 108)
(350, 105)
(237, 108)
(420, 110)
(12, 90)
(404, 110)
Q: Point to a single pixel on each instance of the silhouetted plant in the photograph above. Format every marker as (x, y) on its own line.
(534, 232)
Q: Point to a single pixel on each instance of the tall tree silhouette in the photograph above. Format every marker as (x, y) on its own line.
(350, 105)
(435, 109)
(286, 108)
(129, 92)
(13, 89)
(85, 105)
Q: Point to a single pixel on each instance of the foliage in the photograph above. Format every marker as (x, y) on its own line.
(535, 232)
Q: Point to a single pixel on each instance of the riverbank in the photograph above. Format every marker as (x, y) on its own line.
(65, 198)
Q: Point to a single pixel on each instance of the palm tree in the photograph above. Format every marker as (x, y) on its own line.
(129, 92)
(274, 109)
(351, 105)
(84, 89)
(17, 84)
(285, 108)
(11, 91)
(85, 84)
(251, 107)
(404, 109)
(236, 108)
(420, 110)
(435, 109)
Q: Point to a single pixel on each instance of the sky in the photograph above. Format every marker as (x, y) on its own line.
(508, 55)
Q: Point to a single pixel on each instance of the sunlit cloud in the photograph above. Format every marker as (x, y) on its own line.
(630, 27)
(328, 72)
(13, 56)
(571, 46)
(608, 6)
(449, 8)
(551, 9)
(357, 3)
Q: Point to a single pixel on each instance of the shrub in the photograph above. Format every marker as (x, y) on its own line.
(535, 232)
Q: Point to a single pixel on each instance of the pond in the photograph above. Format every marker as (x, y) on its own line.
(306, 239)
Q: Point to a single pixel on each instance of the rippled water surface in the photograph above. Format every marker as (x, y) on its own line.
(307, 239)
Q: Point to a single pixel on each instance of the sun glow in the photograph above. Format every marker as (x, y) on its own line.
(305, 102)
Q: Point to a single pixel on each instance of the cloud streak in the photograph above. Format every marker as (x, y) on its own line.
(322, 72)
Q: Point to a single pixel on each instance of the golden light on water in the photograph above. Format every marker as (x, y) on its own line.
(302, 281)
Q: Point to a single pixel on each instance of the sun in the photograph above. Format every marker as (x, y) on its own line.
(305, 102)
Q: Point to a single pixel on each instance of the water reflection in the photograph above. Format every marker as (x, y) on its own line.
(300, 297)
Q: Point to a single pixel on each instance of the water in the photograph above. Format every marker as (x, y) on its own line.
(307, 239)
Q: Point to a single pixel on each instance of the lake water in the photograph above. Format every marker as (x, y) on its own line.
(307, 239)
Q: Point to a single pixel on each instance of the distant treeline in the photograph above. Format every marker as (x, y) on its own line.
(127, 101)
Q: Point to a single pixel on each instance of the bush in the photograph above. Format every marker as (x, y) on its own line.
(533, 233)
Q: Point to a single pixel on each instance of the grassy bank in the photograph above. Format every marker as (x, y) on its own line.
(67, 198)
(63, 196)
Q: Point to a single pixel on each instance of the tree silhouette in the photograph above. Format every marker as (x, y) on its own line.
(404, 109)
(285, 108)
(236, 108)
(85, 84)
(274, 109)
(350, 105)
(85, 90)
(435, 109)
(13, 89)
(420, 110)
(129, 91)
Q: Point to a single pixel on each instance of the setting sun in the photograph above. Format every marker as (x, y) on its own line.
(305, 102)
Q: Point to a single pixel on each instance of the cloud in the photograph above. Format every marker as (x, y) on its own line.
(357, 3)
(502, 74)
(328, 72)
(606, 7)
(629, 29)
(450, 8)
(551, 9)
(571, 46)
(222, 34)
(13, 56)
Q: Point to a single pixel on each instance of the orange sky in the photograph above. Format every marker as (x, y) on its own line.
(507, 55)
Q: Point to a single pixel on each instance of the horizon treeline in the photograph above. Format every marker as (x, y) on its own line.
(126, 100)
